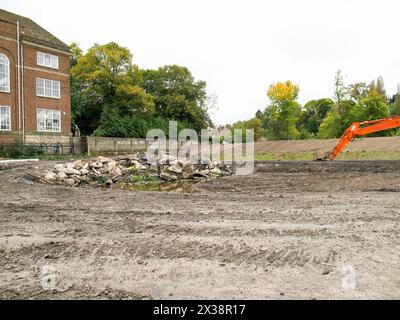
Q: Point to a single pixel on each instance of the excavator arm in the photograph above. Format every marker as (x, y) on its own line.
(360, 129)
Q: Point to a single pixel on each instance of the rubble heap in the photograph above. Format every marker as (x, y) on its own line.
(106, 172)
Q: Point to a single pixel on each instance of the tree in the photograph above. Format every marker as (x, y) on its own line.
(312, 115)
(378, 85)
(341, 92)
(281, 116)
(76, 53)
(259, 114)
(252, 124)
(395, 107)
(113, 97)
(105, 78)
(358, 91)
(373, 107)
(77, 99)
(178, 96)
(335, 122)
(343, 113)
(395, 103)
(362, 103)
(104, 67)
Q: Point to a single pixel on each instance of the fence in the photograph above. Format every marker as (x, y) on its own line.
(113, 145)
(99, 145)
(11, 149)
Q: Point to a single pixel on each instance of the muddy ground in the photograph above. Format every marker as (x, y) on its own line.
(290, 231)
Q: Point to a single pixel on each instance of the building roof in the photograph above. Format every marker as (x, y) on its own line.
(31, 31)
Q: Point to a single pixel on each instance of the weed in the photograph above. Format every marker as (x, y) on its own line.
(143, 178)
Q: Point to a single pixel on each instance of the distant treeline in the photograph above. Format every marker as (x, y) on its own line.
(112, 97)
(285, 119)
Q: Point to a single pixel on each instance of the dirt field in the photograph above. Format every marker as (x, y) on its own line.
(290, 231)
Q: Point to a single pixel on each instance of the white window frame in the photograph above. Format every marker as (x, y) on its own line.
(54, 88)
(47, 60)
(8, 117)
(6, 88)
(49, 115)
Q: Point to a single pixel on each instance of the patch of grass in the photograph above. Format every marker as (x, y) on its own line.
(64, 157)
(133, 169)
(298, 156)
(143, 178)
(148, 186)
(350, 155)
(370, 155)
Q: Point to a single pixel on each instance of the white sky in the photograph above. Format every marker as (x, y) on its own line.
(239, 47)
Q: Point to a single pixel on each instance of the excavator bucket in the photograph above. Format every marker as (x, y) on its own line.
(319, 155)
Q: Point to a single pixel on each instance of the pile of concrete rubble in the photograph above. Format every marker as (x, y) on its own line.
(107, 172)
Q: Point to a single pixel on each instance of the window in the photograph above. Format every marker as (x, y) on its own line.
(47, 60)
(4, 73)
(5, 118)
(48, 120)
(47, 88)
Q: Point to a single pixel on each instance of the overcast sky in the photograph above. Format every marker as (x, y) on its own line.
(239, 47)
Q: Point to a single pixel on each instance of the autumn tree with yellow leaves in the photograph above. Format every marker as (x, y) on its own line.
(282, 114)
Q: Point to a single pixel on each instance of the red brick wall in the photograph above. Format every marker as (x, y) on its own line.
(32, 102)
(31, 72)
(8, 138)
(9, 48)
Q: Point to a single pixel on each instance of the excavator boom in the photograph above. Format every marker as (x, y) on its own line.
(360, 129)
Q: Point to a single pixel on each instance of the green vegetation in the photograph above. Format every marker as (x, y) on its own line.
(18, 151)
(252, 124)
(143, 178)
(350, 155)
(280, 118)
(112, 97)
(295, 156)
(285, 119)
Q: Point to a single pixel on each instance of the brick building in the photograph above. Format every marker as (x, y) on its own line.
(35, 102)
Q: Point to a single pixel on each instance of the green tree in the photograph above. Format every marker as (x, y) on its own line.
(342, 115)
(341, 92)
(395, 103)
(128, 115)
(358, 91)
(373, 107)
(77, 99)
(335, 122)
(378, 85)
(282, 115)
(103, 79)
(76, 53)
(252, 124)
(362, 103)
(178, 96)
(312, 115)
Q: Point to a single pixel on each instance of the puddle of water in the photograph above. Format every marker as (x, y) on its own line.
(179, 186)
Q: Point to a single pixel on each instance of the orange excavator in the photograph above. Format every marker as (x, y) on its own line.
(359, 129)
